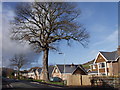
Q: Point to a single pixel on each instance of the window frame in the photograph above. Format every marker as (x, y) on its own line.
(101, 65)
(94, 67)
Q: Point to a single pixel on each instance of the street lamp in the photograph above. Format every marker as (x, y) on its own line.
(64, 62)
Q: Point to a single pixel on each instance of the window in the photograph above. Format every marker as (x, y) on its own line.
(103, 74)
(56, 70)
(94, 67)
(101, 65)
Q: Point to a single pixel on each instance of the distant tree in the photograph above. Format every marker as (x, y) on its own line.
(4, 73)
(7, 72)
(18, 61)
(44, 24)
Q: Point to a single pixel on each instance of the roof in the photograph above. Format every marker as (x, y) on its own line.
(87, 70)
(50, 69)
(69, 68)
(110, 56)
(25, 71)
(93, 72)
(33, 69)
(39, 70)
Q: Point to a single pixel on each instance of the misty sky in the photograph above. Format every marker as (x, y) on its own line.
(100, 20)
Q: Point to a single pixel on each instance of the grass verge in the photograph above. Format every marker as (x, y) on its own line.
(55, 83)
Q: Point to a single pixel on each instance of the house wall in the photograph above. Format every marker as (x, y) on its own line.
(96, 67)
(115, 68)
(110, 73)
(31, 75)
(37, 75)
(119, 67)
(41, 76)
(25, 74)
(56, 73)
(102, 70)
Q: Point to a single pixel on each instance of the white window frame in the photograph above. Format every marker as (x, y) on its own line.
(100, 65)
(56, 70)
(94, 67)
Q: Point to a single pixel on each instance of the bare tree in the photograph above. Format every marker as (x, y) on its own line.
(18, 61)
(43, 24)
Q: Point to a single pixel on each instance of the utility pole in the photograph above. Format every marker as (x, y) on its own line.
(64, 63)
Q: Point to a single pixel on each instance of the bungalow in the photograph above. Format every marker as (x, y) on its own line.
(24, 73)
(34, 73)
(106, 63)
(62, 71)
(50, 69)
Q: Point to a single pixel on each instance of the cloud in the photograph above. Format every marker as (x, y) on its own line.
(61, 0)
(111, 39)
(99, 28)
(93, 52)
(87, 13)
(18, 0)
(0, 34)
(10, 48)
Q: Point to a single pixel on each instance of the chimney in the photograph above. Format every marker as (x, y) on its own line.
(72, 65)
(118, 50)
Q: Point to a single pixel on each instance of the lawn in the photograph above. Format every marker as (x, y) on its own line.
(55, 83)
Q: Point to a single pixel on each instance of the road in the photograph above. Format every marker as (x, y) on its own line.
(19, 84)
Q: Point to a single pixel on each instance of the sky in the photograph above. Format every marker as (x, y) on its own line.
(99, 18)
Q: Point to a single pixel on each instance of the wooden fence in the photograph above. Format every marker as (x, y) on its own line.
(78, 80)
(73, 80)
(89, 80)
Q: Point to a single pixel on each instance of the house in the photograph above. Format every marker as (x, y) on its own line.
(62, 71)
(34, 73)
(50, 69)
(24, 73)
(106, 63)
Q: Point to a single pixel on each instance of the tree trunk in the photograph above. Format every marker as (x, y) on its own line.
(18, 72)
(45, 65)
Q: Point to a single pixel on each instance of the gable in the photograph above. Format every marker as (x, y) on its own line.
(100, 58)
(79, 71)
(56, 70)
